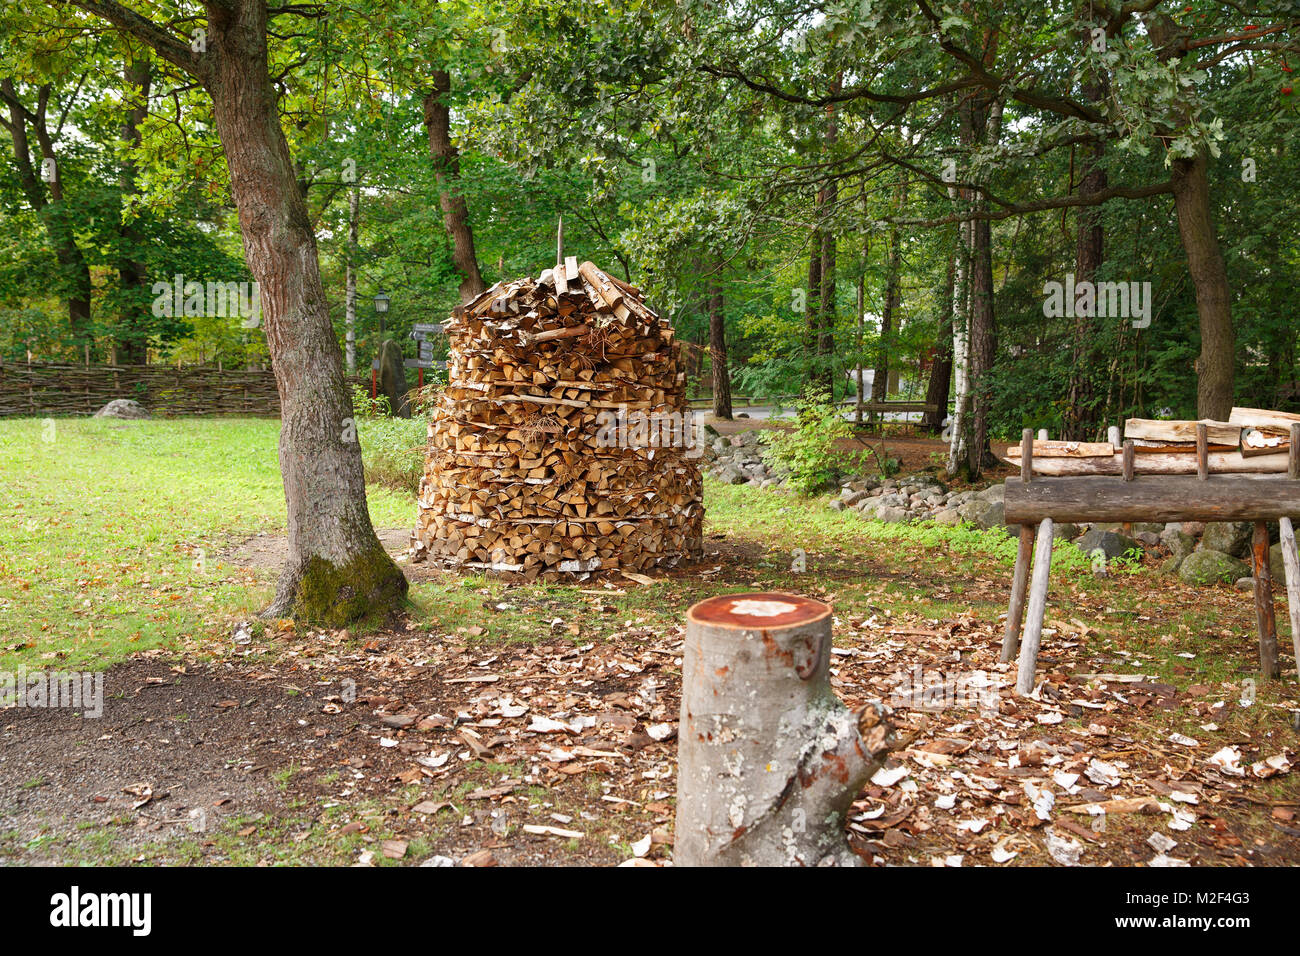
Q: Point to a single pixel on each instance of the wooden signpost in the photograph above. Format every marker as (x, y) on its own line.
(1106, 487)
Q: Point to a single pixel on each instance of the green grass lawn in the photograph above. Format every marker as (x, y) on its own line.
(111, 531)
(112, 535)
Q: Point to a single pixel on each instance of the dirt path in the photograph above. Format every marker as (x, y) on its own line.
(268, 552)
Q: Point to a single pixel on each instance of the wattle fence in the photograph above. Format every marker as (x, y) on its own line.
(41, 388)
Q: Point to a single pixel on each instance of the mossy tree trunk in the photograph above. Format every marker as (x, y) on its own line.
(336, 571)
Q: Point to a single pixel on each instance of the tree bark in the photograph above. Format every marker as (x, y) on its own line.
(446, 162)
(336, 571)
(828, 195)
(959, 429)
(982, 347)
(350, 281)
(1078, 418)
(813, 314)
(718, 352)
(859, 322)
(983, 127)
(936, 392)
(769, 759)
(893, 265)
(1215, 366)
(73, 268)
(132, 337)
(826, 324)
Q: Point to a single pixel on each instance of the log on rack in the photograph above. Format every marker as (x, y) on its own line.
(1198, 495)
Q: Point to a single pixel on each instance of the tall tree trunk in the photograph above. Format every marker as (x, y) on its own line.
(936, 392)
(1079, 417)
(446, 163)
(336, 571)
(893, 265)
(718, 352)
(982, 346)
(959, 429)
(1215, 366)
(1079, 420)
(132, 337)
(827, 198)
(813, 311)
(73, 269)
(826, 325)
(859, 323)
(350, 281)
(983, 127)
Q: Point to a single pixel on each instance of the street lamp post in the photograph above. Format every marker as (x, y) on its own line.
(381, 309)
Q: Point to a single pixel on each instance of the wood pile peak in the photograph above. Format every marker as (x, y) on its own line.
(530, 468)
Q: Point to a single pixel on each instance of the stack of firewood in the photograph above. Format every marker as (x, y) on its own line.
(1251, 441)
(527, 470)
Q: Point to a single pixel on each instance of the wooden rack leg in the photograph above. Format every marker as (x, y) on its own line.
(1016, 610)
(1265, 622)
(1291, 562)
(1037, 608)
(1019, 583)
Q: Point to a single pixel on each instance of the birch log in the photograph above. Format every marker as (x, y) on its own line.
(769, 759)
(1291, 565)
(1028, 664)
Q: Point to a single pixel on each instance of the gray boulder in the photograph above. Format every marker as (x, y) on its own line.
(1112, 544)
(850, 497)
(1179, 543)
(994, 516)
(123, 408)
(1228, 537)
(1211, 567)
(974, 511)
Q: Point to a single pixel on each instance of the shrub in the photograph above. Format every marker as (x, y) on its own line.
(393, 449)
(807, 453)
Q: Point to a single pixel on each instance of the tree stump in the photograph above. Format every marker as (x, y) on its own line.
(769, 759)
